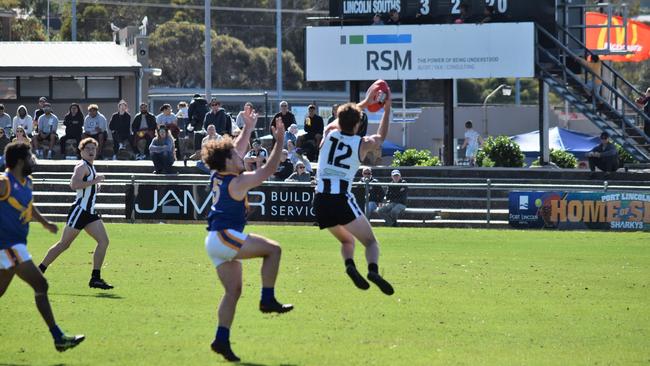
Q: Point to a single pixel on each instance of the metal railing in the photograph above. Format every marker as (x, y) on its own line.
(488, 190)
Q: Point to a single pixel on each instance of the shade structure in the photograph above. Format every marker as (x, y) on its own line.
(577, 143)
(388, 148)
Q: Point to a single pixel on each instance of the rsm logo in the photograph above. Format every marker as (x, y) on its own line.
(383, 59)
(388, 60)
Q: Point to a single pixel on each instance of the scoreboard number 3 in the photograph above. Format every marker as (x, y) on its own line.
(424, 7)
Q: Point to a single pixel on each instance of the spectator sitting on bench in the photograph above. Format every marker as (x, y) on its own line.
(300, 174)
(396, 198)
(120, 126)
(256, 157)
(95, 126)
(143, 127)
(48, 123)
(376, 193)
(284, 169)
(162, 151)
(74, 123)
(604, 156)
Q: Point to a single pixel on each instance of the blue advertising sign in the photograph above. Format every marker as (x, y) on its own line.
(617, 211)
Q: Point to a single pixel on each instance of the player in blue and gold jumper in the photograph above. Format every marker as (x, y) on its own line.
(226, 243)
(16, 211)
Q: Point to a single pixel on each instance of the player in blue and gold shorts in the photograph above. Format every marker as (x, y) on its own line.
(226, 242)
(16, 211)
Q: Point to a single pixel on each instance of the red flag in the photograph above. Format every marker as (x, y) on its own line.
(638, 38)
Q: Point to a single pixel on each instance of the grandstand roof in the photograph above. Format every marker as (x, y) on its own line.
(23, 56)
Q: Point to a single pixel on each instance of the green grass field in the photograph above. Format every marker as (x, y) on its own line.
(463, 297)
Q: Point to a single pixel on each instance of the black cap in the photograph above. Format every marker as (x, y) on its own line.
(604, 135)
(196, 96)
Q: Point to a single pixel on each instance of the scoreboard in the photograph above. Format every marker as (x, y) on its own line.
(361, 12)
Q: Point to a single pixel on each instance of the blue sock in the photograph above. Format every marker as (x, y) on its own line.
(268, 294)
(56, 332)
(223, 334)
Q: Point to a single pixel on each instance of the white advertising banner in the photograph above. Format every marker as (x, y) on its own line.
(450, 51)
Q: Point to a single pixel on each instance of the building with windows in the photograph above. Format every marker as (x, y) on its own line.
(100, 73)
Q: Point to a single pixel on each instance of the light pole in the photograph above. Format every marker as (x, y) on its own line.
(208, 52)
(146, 71)
(48, 20)
(507, 90)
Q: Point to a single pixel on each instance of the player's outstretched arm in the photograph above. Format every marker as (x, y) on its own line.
(374, 142)
(248, 180)
(250, 120)
(49, 226)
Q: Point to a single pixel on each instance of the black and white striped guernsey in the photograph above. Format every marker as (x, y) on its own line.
(86, 197)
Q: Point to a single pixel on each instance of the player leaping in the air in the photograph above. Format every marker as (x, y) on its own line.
(16, 211)
(334, 204)
(226, 242)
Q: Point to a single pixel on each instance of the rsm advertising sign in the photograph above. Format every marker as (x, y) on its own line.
(580, 210)
(450, 51)
(192, 202)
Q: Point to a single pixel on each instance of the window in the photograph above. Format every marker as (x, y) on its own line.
(34, 87)
(103, 87)
(8, 88)
(69, 88)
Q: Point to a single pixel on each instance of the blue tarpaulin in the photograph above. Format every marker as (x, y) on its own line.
(388, 148)
(577, 143)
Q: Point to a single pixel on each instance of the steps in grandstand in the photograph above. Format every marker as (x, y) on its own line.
(454, 196)
(611, 108)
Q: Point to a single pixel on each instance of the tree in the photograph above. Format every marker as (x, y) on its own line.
(93, 23)
(177, 48)
(29, 29)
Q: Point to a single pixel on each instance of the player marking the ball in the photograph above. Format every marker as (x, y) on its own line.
(339, 159)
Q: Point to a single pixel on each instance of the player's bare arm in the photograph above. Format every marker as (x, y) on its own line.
(248, 180)
(250, 119)
(48, 225)
(80, 172)
(373, 142)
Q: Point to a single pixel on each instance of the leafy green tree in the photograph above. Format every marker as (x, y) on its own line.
(413, 157)
(501, 152)
(176, 47)
(29, 29)
(93, 23)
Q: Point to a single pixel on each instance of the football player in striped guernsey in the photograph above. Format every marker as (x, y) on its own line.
(336, 209)
(82, 215)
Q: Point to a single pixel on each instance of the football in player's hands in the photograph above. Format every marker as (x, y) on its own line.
(381, 92)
